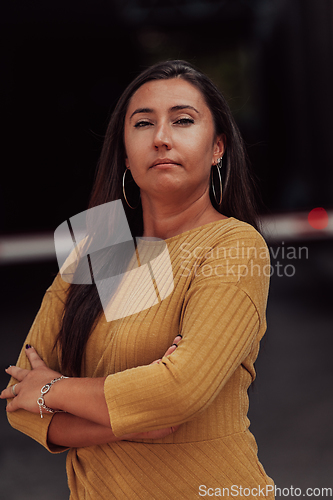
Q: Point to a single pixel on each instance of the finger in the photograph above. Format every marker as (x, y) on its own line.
(11, 406)
(177, 339)
(17, 372)
(156, 362)
(8, 393)
(170, 350)
(173, 347)
(35, 360)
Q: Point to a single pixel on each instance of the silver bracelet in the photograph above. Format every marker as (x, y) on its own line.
(44, 390)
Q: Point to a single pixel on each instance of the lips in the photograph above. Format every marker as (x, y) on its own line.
(164, 161)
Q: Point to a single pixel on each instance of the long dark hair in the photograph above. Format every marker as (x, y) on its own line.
(83, 306)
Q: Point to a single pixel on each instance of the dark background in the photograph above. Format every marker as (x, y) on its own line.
(64, 65)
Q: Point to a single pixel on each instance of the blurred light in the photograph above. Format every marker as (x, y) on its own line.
(291, 226)
(318, 218)
(26, 248)
(297, 226)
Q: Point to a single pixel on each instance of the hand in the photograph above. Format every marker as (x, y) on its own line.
(171, 349)
(28, 388)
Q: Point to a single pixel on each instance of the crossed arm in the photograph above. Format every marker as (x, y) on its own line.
(86, 421)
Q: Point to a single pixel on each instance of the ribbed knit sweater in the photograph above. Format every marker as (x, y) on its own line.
(220, 276)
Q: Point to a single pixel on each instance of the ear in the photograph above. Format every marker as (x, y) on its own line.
(127, 163)
(219, 148)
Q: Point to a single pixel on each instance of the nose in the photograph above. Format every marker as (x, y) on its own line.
(163, 137)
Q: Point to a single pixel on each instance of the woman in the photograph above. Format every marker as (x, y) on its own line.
(176, 428)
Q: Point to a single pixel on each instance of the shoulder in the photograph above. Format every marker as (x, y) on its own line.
(227, 233)
(228, 253)
(234, 228)
(223, 239)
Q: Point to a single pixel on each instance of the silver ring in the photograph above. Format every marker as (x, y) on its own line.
(13, 389)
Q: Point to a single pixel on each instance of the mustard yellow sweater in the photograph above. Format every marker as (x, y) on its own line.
(221, 276)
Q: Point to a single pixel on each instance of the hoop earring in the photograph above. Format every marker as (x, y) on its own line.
(218, 166)
(125, 197)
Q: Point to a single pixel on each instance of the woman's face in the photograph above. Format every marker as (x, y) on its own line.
(170, 140)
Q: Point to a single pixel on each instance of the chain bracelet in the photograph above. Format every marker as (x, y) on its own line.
(44, 390)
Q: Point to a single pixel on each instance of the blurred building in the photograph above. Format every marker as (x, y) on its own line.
(65, 64)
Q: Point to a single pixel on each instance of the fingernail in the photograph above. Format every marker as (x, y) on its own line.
(179, 336)
(28, 346)
(174, 345)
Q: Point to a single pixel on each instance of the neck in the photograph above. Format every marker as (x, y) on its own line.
(163, 220)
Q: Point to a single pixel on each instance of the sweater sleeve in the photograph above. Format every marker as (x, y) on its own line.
(221, 319)
(41, 336)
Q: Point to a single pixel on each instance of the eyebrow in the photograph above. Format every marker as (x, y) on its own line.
(174, 108)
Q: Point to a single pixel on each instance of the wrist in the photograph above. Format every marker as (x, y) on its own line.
(56, 398)
(80, 396)
(45, 390)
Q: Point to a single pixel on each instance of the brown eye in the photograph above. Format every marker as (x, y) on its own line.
(184, 121)
(142, 124)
